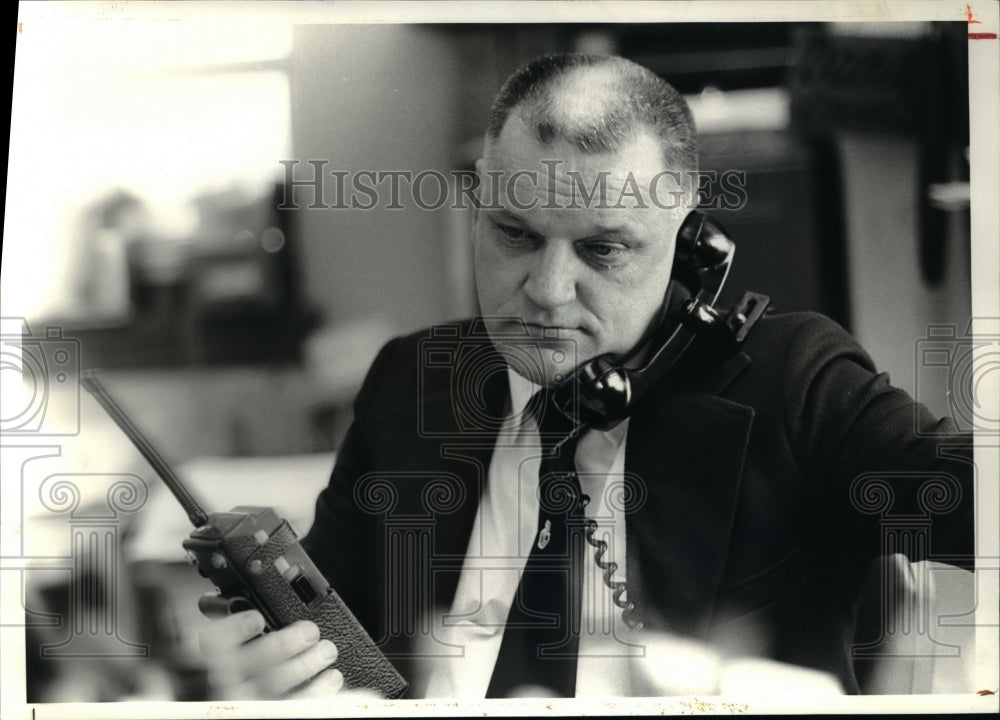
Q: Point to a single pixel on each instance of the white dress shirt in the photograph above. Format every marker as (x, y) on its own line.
(504, 530)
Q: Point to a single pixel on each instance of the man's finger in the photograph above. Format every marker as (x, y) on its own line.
(276, 647)
(291, 673)
(224, 635)
(327, 684)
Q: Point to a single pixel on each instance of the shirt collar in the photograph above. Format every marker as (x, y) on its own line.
(521, 391)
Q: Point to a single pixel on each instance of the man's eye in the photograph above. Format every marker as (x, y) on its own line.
(604, 253)
(517, 238)
(512, 232)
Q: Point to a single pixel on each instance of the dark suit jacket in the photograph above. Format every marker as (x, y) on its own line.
(762, 485)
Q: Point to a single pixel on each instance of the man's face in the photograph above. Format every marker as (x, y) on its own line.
(586, 276)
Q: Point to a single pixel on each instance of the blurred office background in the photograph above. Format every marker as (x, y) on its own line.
(145, 235)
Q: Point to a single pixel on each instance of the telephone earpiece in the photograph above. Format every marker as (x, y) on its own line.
(601, 392)
(701, 247)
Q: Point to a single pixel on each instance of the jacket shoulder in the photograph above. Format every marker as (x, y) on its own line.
(396, 378)
(797, 338)
(788, 325)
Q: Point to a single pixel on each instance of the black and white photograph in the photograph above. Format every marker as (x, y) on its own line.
(501, 358)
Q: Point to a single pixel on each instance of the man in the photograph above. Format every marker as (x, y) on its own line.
(736, 503)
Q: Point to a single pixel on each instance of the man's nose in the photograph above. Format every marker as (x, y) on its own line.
(551, 280)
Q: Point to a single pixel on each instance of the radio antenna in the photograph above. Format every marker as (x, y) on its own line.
(92, 383)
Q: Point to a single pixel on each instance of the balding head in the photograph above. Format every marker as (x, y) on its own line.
(597, 103)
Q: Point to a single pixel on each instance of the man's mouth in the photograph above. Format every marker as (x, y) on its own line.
(551, 327)
(539, 330)
(550, 332)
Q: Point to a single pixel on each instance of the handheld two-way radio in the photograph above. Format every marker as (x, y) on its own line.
(254, 559)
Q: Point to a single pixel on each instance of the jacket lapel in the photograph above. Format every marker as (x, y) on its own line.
(466, 460)
(684, 455)
(463, 452)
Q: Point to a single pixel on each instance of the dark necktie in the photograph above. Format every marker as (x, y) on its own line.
(542, 634)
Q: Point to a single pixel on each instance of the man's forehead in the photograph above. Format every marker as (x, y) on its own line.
(518, 150)
(518, 162)
(609, 223)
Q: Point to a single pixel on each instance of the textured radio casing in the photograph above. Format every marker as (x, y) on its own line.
(254, 559)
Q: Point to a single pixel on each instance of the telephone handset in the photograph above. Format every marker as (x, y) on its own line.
(601, 392)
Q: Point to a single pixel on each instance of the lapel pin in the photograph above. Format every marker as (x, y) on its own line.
(545, 535)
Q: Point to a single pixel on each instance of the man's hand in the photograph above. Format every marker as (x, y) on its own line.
(291, 663)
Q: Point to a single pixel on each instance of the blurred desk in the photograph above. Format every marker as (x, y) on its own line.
(290, 484)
